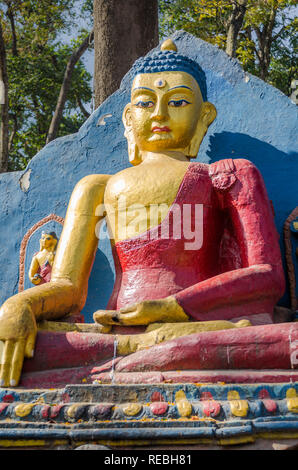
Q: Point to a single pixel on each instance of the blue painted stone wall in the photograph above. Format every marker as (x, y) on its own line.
(255, 121)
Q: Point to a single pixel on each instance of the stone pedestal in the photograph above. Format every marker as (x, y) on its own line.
(168, 416)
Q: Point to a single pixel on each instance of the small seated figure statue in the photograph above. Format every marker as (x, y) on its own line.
(42, 261)
(220, 261)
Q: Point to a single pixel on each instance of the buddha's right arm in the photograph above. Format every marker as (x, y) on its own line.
(33, 269)
(78, 242)
(67, 290)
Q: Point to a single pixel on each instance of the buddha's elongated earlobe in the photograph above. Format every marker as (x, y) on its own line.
(133, 149)
(207, 116)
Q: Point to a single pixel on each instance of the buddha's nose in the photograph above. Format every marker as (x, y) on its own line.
(160, 111)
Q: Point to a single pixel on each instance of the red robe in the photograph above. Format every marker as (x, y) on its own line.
(236, 273)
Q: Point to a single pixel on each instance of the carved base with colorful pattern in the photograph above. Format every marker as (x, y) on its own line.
(120, 416)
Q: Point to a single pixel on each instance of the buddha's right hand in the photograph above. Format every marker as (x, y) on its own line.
(18, 334)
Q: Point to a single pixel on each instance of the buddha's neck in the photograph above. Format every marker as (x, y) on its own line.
(48, 250)
(148, 157)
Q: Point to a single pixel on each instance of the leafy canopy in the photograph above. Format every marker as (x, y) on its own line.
(267, 40)
(36, 61)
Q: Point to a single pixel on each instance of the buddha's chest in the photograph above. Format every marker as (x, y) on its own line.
(151, 186)
(139, 198)
(45, 256)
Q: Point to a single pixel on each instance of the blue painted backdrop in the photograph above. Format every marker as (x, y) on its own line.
(255, 121)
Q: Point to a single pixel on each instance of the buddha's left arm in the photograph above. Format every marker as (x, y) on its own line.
(260, 281)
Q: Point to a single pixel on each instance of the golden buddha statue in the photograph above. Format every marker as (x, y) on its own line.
(223, 266)
(42, 262)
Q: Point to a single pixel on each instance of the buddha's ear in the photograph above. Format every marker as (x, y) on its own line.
(206, 117)
(133, 150)
(126, 117)
(208, 113)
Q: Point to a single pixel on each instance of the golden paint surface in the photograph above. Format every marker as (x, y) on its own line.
(238, 407)
(157, 333)
(23, 409)
(131, 409)
(71, 411)
(22, 442)
(292, 400)
(183, 405)
(162, 113)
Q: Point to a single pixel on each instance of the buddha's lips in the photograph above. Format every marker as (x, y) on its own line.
(161, 129)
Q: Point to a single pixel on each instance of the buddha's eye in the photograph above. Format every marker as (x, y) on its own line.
(144, 104)
(178, 103)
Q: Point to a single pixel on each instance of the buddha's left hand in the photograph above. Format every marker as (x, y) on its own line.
(150, 311)
(36, 280)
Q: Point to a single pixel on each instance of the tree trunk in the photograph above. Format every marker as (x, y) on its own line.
(265, 38)
(234, 26)
(123, 31)
(3, 107)
(76, 55)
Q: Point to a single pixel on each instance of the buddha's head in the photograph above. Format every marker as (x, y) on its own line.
(168, 109)
(48, 241)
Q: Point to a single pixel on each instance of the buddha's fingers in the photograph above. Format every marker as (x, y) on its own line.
(6, 363)
(106, 317)
(13, 357)
(130, 309)
(132, 318)
(17, 362)
(30, 343)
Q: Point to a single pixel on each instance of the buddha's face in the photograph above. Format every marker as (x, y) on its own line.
(164, 110)
(47, 241)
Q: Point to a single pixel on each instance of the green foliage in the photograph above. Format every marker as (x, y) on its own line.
(36, 36)
(271, 23)
(283, 67)
(36, 62)
(204, 18)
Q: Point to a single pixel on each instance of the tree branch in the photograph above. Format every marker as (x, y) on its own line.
(279, 33)
(13, 30)
(235, 23)
(80, 105)
(74, 58)
(13, 132)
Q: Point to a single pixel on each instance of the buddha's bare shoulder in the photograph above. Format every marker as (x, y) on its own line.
(153, 172)
(121, 180)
